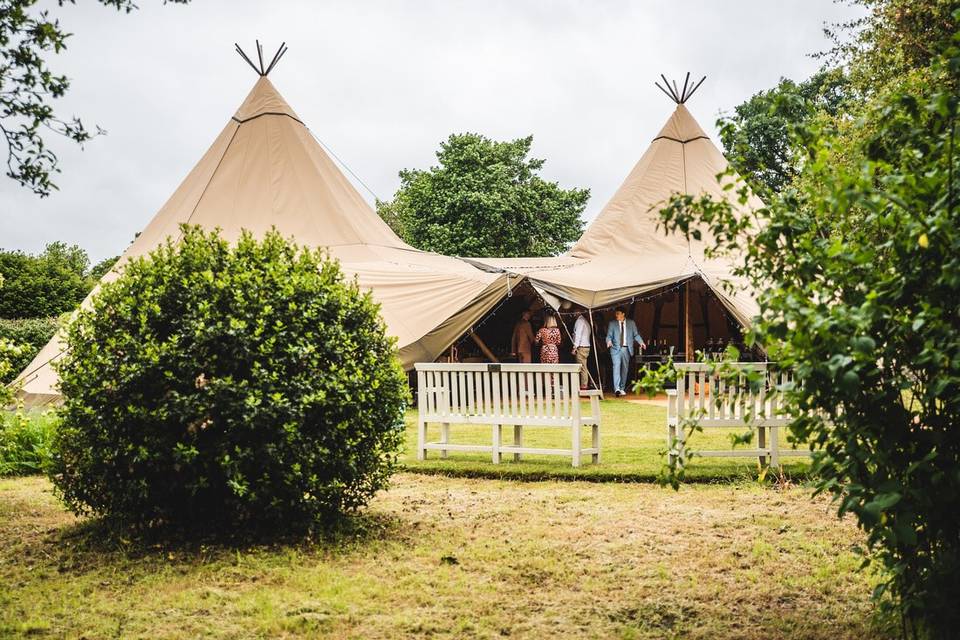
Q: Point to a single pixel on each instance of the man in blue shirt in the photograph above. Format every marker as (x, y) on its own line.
(621, 335)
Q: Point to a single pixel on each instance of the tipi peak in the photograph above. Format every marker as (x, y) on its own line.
(264, 99)
(681, 127)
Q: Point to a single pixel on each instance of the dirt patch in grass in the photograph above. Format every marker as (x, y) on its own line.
(454, 558)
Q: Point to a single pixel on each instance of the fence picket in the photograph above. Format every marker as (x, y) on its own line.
(701, 392)
(528, 395)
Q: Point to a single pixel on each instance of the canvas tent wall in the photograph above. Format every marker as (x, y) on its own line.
(623, 254)
(266, 170)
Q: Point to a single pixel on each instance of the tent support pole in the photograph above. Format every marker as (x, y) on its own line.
(687, 324)
(564, 325)
(483, 347)
(596, 356)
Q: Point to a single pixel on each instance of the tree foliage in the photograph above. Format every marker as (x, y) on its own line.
(30, 335)
(101, 269)
(44, 285)
(9, 351)
(213, 386)
(484, 198)
(28, 86)
(757, 138)
(857, 269)
(893, 38)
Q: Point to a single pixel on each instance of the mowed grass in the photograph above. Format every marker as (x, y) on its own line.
(633, 441)
(446, 557)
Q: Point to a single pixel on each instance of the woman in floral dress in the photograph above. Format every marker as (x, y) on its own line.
(549, 339)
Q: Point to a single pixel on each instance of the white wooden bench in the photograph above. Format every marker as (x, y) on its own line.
(711, 399)
(522, 395)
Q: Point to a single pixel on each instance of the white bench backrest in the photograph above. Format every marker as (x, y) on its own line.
(711, 396)
(446, 392)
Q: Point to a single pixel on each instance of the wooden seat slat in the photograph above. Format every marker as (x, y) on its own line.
(496, 395)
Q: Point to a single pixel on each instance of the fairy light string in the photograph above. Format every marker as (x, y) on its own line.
(676, 287)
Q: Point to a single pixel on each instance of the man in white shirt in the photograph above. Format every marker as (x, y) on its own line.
(581, 347)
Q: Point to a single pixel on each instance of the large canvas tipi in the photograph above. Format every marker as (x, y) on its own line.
(624, 254)
(266, 170)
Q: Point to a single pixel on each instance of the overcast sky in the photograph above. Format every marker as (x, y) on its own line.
(382, 83)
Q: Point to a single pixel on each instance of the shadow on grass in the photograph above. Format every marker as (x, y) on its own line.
(798, 475)
(96, 542)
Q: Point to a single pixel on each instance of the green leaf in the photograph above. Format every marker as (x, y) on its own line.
(850, 381)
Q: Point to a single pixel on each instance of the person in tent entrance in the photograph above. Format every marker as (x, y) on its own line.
(581, 347)
(549, 339)
(521, 344)
(621, 335)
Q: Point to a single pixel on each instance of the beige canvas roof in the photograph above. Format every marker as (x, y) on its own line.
(266, 170)
(623, 253)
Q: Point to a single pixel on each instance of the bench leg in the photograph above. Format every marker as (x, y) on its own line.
(774, 446)
(421, 439)
(671, 443)
(596, 443)
(682, 446)
(444, 437)
(517, 440)
(497, 437)
(576, 443)
(762, 443)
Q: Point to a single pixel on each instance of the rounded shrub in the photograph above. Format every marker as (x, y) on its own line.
(215, 385)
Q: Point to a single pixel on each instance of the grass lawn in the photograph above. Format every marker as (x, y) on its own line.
(633, 437)
(458, 558)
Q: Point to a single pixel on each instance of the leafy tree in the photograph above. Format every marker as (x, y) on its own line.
(28, 86)
(893, 38)
(45, 285)
(484, 198)
(101, 268)
(857, 269)
(214, 385)
(757, 137)
(30, 335)
(8, 352)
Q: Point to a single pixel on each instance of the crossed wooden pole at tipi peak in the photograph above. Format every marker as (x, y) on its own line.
(676, 94)
(260, 69)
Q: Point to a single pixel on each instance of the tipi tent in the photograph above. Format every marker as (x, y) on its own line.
(623, 254)
(266, 170)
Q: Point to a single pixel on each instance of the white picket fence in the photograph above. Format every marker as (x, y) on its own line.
(711, 400)
(521, 395)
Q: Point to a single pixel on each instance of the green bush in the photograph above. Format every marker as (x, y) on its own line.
(215, 386)
(25, 440)
(30, 334)
(8, 352)
(46, 284)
